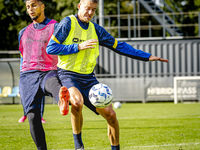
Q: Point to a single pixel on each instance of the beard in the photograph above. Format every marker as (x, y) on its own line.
(36, 17)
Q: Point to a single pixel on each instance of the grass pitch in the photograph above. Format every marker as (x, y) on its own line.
(151, 126)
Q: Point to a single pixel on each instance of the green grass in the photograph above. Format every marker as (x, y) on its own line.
(151, 126)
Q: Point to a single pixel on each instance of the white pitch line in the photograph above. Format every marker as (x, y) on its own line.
(167, 145)
(160, 117)
(147, 146)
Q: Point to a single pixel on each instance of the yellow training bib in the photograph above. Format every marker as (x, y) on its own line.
(85, 60)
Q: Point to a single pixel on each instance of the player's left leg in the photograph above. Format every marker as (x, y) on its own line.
(52, 86)
(113, 126)
(59, 93)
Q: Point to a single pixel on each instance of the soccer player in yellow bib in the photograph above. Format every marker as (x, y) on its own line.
(76, 42)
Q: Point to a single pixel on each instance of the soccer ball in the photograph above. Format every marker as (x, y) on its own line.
(117, 105)
(100, 95)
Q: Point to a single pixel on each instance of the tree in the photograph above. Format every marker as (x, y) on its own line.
(189, 6)
(11, 20)
(14, 18)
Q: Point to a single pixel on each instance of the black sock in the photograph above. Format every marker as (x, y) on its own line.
(115, 147)
(36, 129)
(78, 140)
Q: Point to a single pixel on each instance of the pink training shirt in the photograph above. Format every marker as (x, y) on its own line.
(33, 45)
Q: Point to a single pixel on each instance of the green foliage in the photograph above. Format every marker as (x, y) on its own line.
(11, 20)
(14, 17)
(150, 126)
(188, 6)
(110, 7)
(65, 8)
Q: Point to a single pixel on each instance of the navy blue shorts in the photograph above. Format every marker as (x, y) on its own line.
(31, 88)
(83, 82)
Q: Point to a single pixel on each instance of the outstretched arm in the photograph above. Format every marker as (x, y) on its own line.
(155, 58)
(123, 48)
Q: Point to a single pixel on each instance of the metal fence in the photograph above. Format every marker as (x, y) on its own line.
(183, 55)
(144, 25)
(133, 80)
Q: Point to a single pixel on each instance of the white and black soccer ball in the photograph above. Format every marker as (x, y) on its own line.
(100, 95)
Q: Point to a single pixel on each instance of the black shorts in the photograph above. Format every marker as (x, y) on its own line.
(83, 82)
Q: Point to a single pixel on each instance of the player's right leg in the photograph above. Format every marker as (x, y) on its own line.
(31, 96)
(42, 109)
(70, 80)
(36, 129)
(22, 119)
(64, 100)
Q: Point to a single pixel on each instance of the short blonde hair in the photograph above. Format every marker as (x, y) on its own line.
(94, 1)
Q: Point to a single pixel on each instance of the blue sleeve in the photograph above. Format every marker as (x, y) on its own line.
(122, 48)
(55, 46)
(20, 34)
(19, 38)
(55, 26)
(21, 62)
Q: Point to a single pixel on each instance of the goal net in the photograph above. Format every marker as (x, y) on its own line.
(186, 88)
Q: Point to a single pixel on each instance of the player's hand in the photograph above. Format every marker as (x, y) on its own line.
(87, 44)
(155, 58)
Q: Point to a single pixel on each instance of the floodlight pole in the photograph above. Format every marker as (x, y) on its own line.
(118, 18)
(199, 23)
(134, 17)
(101, 23)
(101, 13)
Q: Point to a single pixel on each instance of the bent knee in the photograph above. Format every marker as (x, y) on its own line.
(77, 102)
(76, 98)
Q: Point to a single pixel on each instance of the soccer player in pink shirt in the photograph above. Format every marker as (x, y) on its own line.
(38, 73)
